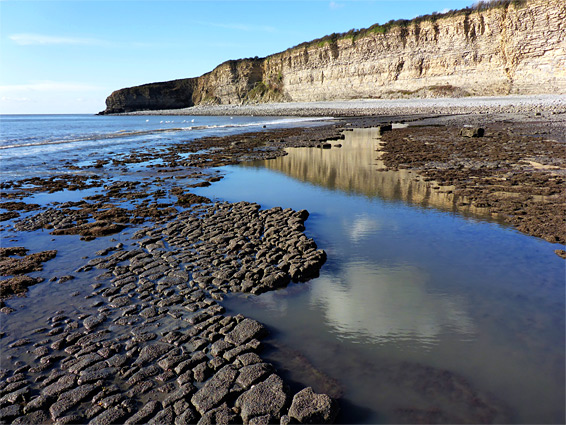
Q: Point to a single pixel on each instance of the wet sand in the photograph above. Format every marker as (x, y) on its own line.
(138, 333)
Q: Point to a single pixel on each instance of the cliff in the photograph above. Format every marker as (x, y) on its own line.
(518, 47)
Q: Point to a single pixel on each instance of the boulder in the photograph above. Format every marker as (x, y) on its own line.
(311, 408)
(215, 390)
(266, 398)
(222, 415)
(472, 132)
(246, 330)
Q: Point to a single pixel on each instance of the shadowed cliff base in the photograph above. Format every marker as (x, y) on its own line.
(495, 49)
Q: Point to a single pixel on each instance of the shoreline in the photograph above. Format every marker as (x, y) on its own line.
(367, 107)
(151, 329)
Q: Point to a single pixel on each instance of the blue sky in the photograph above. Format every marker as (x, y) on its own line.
(68, 56)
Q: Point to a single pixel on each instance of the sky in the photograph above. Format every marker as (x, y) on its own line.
(68, 56)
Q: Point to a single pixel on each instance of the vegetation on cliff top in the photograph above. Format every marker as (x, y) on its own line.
(355, 34)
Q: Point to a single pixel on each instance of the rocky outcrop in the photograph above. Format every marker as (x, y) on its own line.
(517, 47)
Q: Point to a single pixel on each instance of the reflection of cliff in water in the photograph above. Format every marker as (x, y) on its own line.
(355, 168)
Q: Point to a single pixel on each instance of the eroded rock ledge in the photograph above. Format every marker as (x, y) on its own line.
(156, 346)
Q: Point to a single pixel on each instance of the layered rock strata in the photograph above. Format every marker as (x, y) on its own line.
(519, 48)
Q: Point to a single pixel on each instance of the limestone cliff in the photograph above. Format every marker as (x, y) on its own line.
(515, 48)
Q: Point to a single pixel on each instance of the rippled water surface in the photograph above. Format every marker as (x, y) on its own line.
(426, 310)
(31, 145)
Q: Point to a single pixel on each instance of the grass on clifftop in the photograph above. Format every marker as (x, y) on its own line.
(355, 34)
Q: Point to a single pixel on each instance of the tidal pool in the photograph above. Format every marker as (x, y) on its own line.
(427, 310)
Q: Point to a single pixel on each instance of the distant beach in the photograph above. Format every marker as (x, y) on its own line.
(368, 107)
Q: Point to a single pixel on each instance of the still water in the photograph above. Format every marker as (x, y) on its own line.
(426, 310)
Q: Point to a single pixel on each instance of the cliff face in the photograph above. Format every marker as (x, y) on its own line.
(517, 49)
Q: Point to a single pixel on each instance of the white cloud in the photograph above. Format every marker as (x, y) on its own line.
(14, 99)
(333, 5)
(29, 39)
(362, 227)
(46, 86)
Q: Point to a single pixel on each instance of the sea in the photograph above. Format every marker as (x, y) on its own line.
(424, 312)
(29, 144)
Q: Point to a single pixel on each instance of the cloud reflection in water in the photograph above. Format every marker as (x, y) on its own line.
(402, 308)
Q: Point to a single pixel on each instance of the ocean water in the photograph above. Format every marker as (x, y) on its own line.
(424, 312)
(29, 144)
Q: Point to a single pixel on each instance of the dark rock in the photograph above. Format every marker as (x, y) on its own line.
(117, 360)
(105, 392)
(49, 359)
(10, 412)
(172, 361)
(140, 388)
(114, 415)
(246, 330)
(63, 384)
(40, 351)
(93, 376)
(70, 419)
(222, 415)
(249, 375)
(146, 412)
(152, 352)
(201, 372)
(195, 359)
(92, 322)
(189, 416)
(180, 406)
(70, 399)
(89, 339)
(149, 312)
(33, 418)
(252, 345)
(19, 343)
(38, 403)
(266, 398)
(261, 420)
(120, 302)
(164, 417)
(182, 393)
(215, 390)
(249, 359)
(85, 362)
(275, 280)
(217, 363)
(13, 386)
(311, 408)
(143, 374)
(112, 400)
(18, 396)
(165, 376)
(219, 347)
(472, 132)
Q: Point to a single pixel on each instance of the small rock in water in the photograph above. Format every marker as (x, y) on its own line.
(311, 408)
(472, 132)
